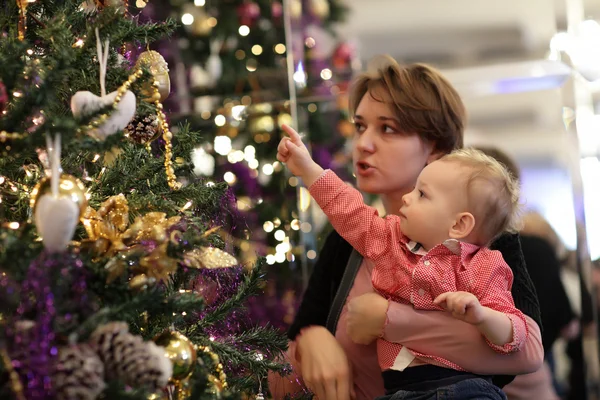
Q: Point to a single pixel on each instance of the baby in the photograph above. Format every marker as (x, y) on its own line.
(432, 254)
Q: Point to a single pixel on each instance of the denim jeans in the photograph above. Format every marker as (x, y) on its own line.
(469, 389)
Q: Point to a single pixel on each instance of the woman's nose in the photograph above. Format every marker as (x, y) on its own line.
(364, 141)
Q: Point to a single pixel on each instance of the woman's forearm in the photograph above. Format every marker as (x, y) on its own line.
(438, 333)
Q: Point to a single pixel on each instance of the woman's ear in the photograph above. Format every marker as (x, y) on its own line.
(463, 226)
(434, 156)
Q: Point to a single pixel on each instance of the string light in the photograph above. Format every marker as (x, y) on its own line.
(244, 30)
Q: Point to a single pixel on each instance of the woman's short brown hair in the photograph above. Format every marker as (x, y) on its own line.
(425, 103)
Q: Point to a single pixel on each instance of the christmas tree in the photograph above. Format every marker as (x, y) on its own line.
(116, 280)
(238, 59)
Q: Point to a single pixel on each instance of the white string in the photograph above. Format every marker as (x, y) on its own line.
(103, 61)
(53, 148)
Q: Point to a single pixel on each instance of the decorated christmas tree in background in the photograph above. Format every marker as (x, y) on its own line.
(115, 281)
(232, 81)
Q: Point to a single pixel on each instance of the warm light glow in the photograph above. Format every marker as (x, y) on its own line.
(293, 181)
(295, 224)
(310, 42)
(205, 114)
(236, 112)
(17, 94)
(199, 3)
(79, 43)
(13, 225)
(257, 49)
(212, 22)
(267, 169)
(277, 222)
(229, 177)
(311, 254)
(187, 19)
(253, 164)
(96, 157)
(186, 206)
(312, 107)
(326, 74)
(270, 259)
(280, 48)
(303, 199)
(279, 235)
(283, 247)
(244, 30)
(251, 65)
(268, 226)
(280, 257)
(220, 120)
(222, 145)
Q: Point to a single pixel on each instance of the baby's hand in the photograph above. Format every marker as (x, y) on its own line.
(296, 157)
(463, 305)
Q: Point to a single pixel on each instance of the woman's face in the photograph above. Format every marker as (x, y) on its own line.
(386, 160)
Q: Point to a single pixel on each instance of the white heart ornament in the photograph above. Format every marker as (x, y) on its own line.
(86, 103)
(56, 219)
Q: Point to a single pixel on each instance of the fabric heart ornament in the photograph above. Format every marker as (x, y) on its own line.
(56, 218)
(84, 103)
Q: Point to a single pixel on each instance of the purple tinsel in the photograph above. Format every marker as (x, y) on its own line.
(38, 299)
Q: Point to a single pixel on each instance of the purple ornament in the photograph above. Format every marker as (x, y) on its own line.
(248, 13)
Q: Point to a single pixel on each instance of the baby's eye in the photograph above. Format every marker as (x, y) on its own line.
(421, 193)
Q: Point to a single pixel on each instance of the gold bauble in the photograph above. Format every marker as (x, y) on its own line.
(155, 62)
(181, 351)
(69, 186)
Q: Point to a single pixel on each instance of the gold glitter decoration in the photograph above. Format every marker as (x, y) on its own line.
(156, 64)
(167, 136)
(22, 25)
(4, 136)
(180, 351)
(209, 257)
(68, 186)
(219, 384)
(110, 234)
(141, 282)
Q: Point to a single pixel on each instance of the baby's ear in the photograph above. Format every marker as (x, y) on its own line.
(463, 226)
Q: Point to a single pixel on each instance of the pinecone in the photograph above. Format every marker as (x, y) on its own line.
(143, 129)
(79, 373)
(128, 358)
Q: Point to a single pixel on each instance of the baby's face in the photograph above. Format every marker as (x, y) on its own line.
(430, 210)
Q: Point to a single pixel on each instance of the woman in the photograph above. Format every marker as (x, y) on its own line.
(405, 118)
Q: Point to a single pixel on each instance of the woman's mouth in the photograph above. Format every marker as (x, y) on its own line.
(363, 168)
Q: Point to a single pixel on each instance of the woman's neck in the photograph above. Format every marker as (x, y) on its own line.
(392, 203)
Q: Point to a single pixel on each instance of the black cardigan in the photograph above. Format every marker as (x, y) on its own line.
(330, 266)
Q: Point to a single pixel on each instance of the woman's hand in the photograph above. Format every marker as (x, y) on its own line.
(324, 365)
(366, 317)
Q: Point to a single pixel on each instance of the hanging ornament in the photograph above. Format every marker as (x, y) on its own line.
(214, 65)
(181, 351)
(319, 8)
(79, 373)
(129, 358)
(57, 209)
(85, 103)
(276, 10)
(343, 55)
(143, 129)
(248, 12)
(158, 67)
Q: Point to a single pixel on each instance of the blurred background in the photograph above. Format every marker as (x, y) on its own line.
(528, 72)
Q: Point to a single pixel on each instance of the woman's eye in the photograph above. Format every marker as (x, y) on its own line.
(388, 129)
(359, 127)
(421, 194)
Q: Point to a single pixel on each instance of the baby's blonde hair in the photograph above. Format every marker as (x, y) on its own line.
(492, 194)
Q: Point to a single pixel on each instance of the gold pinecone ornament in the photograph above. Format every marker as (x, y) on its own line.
(79, 373)
(129, 358)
